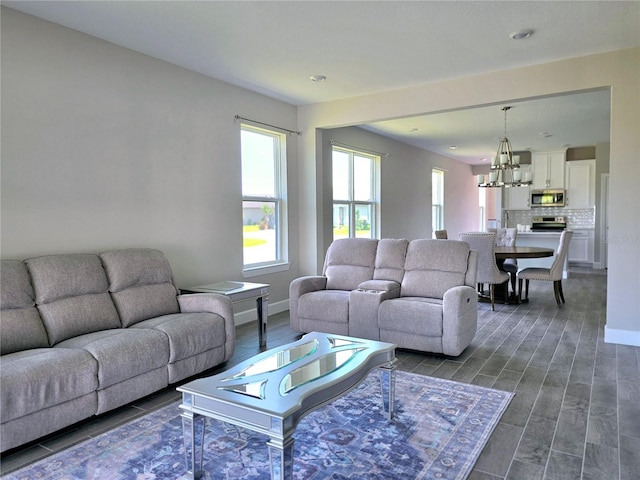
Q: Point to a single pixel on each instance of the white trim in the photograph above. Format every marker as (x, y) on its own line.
(622, 337)
(265, 270)
(248, 316)
(604, 206)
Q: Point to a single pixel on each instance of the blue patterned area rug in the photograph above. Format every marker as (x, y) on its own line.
(438, 431)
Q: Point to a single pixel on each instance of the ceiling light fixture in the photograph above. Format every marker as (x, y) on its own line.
(505, 166)
(318, 78)
(452, 147)
(521, 34)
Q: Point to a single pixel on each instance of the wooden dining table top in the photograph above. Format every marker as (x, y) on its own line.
(523, 252)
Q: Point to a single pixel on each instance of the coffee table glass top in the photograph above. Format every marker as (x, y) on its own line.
(267, 381)
(308, 372)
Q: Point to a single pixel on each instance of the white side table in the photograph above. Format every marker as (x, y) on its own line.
(240, 291)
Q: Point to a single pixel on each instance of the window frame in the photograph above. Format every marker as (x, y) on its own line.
(280, 263)
(351, 203)
(437, 200)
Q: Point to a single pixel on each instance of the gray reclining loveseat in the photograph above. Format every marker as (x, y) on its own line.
(418, 294)
(81, 334)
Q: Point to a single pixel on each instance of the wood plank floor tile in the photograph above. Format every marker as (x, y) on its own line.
(568, 383)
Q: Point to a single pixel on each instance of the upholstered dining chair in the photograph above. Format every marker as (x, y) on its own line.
(506, 237)
(488, 272)
(552, 274)
(441, 235)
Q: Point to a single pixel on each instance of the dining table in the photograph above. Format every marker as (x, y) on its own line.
(516, 251)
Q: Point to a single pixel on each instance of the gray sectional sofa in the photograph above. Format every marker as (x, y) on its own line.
(81, 334)
(418, 294)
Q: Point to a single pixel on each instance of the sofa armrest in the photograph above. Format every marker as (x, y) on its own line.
(459, 319)
(213, 303)
(377, 286)
(299, 287)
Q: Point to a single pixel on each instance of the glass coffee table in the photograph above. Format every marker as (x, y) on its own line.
(272, 391)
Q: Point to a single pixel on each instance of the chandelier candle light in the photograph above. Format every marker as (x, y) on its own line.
(505, 166)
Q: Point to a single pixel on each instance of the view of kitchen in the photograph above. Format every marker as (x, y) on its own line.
(568, 191)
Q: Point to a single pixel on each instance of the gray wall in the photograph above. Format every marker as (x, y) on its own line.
(105, 148)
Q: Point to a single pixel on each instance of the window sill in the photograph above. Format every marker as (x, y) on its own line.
(265, 270)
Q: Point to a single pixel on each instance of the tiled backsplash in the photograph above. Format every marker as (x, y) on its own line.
(578, 218)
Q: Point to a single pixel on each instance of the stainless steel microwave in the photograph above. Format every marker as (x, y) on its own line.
(547, 198)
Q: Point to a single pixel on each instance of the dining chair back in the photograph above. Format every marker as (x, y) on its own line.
(506, 237)
(551, 274)
(488, 272)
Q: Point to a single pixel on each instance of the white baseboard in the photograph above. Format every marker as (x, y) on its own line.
(622, 337)
(248, 316)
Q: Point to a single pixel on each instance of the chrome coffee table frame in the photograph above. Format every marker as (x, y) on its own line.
(272, 391)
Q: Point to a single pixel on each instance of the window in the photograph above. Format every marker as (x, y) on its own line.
(437, 200)
(354, 194)
(263, 188)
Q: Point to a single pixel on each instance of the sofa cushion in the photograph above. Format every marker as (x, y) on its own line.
(189, 333)
(21, 329)
(20, 325)
(434, 266)
(327, 305)
(75, 316)
(142, 303)
(415, 315)
(390, 258)
(136, 267)
(15, 285)
(35, 379)
(62, 276)
(71, 293)
(141, 284)
(349, 262)
(123, 353)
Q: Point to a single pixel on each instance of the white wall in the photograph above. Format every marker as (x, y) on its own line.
(104, 148)
(619, 71)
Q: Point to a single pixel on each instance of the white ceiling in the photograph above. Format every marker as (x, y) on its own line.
(364, 47)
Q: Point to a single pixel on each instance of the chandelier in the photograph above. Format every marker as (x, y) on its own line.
(505, 166)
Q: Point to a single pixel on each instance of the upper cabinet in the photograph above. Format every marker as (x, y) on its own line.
(548, 169)
(580, 184)
(518, 198)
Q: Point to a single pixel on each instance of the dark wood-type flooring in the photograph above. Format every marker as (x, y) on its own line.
(575, 415)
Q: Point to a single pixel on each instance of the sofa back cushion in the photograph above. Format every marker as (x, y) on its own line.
(141, 284)
(71, 292)
(20, 325)
(349, 262)
(434, 266)
(390, 258)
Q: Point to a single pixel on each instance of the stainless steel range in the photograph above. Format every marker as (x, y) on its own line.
(548, 224)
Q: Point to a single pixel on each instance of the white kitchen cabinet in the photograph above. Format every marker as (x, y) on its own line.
(548, 169)
(581, 246)
(518, 198)
(580, 182)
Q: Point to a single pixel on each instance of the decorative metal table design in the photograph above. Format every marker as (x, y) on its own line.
(272, 391)
(238, 292)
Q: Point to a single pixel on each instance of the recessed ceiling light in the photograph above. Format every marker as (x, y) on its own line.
(521, 34)
(318, 78)
(452, 147)
(412, 130)
(545, 134)
(565, 145)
